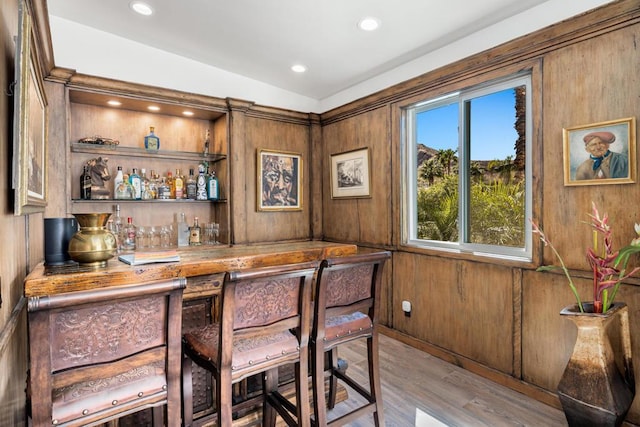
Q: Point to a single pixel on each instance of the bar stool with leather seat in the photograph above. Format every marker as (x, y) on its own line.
(265, 315)
(101, 354)
(345, 309)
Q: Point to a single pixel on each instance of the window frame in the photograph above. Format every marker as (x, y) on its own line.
(409, 211)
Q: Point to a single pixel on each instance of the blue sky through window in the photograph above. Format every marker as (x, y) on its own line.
(493, 135)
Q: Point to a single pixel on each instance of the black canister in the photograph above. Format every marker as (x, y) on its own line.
(57, 234)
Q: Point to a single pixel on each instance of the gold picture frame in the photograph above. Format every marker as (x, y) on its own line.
(279, 186)
(588, 159)
(350, 174)
(30, 124)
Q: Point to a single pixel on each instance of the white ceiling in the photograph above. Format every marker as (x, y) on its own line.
(261, 39)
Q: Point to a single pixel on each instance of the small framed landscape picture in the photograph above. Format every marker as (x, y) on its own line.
(600, 153)
(279, 181)
(350, 174)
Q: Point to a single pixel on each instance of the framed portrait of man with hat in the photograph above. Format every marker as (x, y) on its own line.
(600, 153)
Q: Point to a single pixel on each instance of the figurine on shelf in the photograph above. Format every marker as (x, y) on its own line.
(99, 175)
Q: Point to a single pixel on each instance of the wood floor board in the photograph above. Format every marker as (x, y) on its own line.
(415, 382)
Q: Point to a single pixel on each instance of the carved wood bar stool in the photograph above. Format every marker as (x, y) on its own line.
(100, 354)
(264, 324)
(345, 309)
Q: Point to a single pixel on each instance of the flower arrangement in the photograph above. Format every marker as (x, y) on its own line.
(603, 260)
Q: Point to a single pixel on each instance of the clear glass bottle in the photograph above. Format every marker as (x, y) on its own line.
(136, 183)
(117, 228)
(145, 184)
(116, 181)
(192, 186)
(213, 189)
(85, 184)
(164, 192)
(195, 234)
(183, 230)
(178, 185)
(154, 181)
(201, 184)
(151, 141)
(129, 235)
(205, 150)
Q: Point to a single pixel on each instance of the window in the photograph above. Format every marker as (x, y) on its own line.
(467, 170)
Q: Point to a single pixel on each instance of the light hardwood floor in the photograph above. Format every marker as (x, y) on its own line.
(422, 390)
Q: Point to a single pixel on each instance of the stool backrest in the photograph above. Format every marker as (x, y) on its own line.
(100, 354)
(262, 302)
(348, 284)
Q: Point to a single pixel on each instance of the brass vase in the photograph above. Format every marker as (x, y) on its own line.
(593, 390)
(93, 244)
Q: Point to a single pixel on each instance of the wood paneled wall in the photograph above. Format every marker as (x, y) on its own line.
(496, 317)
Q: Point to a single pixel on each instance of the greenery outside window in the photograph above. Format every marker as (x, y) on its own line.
(467, 171)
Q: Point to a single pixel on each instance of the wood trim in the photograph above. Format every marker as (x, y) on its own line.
(609, 18)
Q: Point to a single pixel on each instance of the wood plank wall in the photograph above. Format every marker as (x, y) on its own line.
(499, 319)
(495, 317)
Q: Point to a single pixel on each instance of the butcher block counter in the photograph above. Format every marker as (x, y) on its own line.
(194, 261)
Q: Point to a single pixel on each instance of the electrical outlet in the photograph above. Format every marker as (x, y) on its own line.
(406, 306)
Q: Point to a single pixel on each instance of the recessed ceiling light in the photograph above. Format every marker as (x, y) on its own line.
(298, 68)
(369, 23)
(153, 108)
(141, 8)
(188, 113)
(114, 103)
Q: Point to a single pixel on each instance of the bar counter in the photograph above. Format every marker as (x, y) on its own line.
(194, 261)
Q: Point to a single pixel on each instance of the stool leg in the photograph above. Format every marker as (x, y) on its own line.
(333, 380)
(374, 378)
(317, 375)
(187, 392)
(269, 385)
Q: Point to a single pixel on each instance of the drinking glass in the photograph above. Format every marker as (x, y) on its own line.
(142, 239)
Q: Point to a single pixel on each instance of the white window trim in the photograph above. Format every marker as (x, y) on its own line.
(409, 210)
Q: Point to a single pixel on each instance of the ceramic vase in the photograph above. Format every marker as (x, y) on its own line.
(593, 390)
(93, 244)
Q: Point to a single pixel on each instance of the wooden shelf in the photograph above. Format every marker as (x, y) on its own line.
(147, 201)
(78, 147)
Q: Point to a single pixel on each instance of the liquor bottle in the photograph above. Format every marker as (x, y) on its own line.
(129, 235)
(213, 189)
(136, 183)
(153, 184)
(205, 150)
(85, 184)
(178, 185)
(192, 186)
(183, 230)
(124, 190)
(145, 184)
(151, 141)
(117, 180)
(164, 192)
(201, 184)
(194, 233)
(172, 189)
(117, 226)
